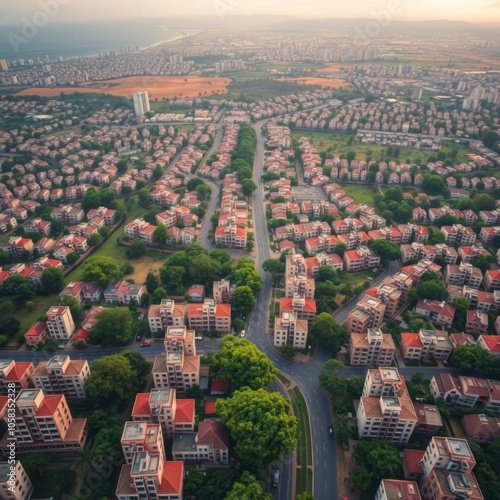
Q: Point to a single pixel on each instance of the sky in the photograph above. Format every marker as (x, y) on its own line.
(13, 11)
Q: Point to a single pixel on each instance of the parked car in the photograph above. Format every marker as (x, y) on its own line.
(330, 430)
(198, 338)
(242, 334)
(276, 478)
(146, 344)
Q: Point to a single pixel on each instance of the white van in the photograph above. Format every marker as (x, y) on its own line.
(198, 338)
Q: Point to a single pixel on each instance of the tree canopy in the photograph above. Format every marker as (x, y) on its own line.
(113, 328)
(261, 425)
(18, 289)
(102, 270)
(327, 332)
(53, 279)
(243, 364)
(387, 250)
(247, 488)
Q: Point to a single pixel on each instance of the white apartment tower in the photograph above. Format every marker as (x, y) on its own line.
(141, 103)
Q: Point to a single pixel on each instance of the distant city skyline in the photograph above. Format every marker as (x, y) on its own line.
(96, 10)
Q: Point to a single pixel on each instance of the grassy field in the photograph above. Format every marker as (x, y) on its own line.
(260, 88)
(11, 90)
(164, 107)
(304, 449)
(362, 193)
(340, 144)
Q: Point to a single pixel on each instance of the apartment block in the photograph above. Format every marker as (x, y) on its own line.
(44, 424)
(492, 279)
(368, 313)
(62, 375)
(392, 489)
(476, 321)
(166, 314)
(149, 477)
(289, 329)
(14, 482)
(467, 392)
(425, 345)
(390, 295)
(490, 342)
(480, 427)
(458, 235)
(296, 265)
(439, 312)
(231, 236)
(303, 308)
(463, 274)
(360, 259)
(209, 444)
(209, 316)
(18, 373)
(161, 406)
(223, 291)
(141, 436)
(300, 285)
(447, 465)
(60, 323)
(371, 348)
(429, 419)
(385, 411)
(179, 367)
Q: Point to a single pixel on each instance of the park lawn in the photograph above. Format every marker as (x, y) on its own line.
(164, 107)
(41, 305)
(304, 448)
(261, 88)
(338, 144)
(362, 193)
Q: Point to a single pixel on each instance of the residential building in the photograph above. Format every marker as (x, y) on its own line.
(458, 235)
(467, 392)
(166, 314)
(439, 312)
(480, 427)
(62, 375)
(14, 482)
(448, 464)
(231, 236)
(302, 307)
(372, 348)
(141, 436)
(368, 313)
(476, 321)
(179, 367)
(429, 419)
(123, 292)
(490, 342)
(60, 323)
(223, 291)
(426, 345)
(141, 103)
(300, 285)
(492, 279)
(44, 424)
(149, 476)
(394, 489)
(36, 334)
(18, 373)
(385, 410)
(161, 406)
(209, 316)
(463, 274)
(360, 259)
(288, 329)
(209, 444)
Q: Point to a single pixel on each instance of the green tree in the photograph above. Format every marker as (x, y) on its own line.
(95, 238)
(113, 328)
(437, 237)
(160, 234)
(342, 429)
(203, 269)
(261, 425)
(34, 464)
(18, 289)
(288, 351)
(470, 358)
(53, 280)
(172, 279)
(77, 310)
(484, 202)
(151, 282)
(375, 460)
(483, 262)
(140, 367)
(137, 249)
(461, 305)
(327, 332)
(416, 324)
(243, 364)
(248, 186)
(340, 249)
(159, 294)
(273, 266)
(102, 270)
(247, 488)
(304, 496)
(387, 250)
(243, 300)
(111, 380)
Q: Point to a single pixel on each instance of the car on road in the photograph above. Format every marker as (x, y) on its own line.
(276, 478)
(138, 338)
(147, 343)
(242, 334)
(198, 338)
(330, 430)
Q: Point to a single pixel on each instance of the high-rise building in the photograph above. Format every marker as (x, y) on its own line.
(14, 484)
(60, 322)
(43, 423)
(3, 65)
(141, 103)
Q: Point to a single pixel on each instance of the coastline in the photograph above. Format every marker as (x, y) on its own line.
(166, 42)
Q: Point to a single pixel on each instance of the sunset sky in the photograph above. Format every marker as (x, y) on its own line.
(95, 10)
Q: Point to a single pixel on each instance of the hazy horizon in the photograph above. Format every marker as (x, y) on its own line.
(70, 11)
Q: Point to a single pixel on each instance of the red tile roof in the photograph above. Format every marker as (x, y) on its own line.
(141, 405)
(492, 342)
(412, 459)
(210, 407)
(18, 372)
(411, 340)
(220, 385)
(49, 405)
(214, 433)
(184, 411)
(172, 479)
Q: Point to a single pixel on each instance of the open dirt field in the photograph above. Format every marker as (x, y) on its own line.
(323, 82)
(331, 69)
(159, 87)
